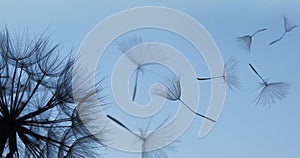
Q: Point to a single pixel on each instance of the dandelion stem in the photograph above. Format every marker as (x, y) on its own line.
(12, 86)
(4, 109)
(18, 88)
(19, 110)
(277, 40)
(24, 89)
(264, 29)
(209, 78)
(47, 121)
(50, 104)
(135, 84)
(38, 136)
(254, 70)
(195, 111)
(124, 126)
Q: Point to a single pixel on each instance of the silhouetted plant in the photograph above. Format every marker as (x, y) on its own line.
(137, 60)
(270, 91)
(229, 75)
(38, 115)
(149, 140)
(173, 93)
(247, 39)
(287, 28)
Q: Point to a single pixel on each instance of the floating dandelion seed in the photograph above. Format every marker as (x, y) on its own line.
(287, 28)
(137, 59)
(32, 121)
(247, 39)
(173, 93)
(149, 140)
(270, 91)
(229, 75)
(153, 140)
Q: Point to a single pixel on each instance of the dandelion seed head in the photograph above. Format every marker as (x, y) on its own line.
(39, 121)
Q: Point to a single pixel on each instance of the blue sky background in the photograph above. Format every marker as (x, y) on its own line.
(244, 129)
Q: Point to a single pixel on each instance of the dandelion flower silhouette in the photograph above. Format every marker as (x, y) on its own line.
(149, 140)
(287, 28)
(124, 46)
(173, 93)
(32, 122)
(246, 40)
(270, 91)
(229, 75)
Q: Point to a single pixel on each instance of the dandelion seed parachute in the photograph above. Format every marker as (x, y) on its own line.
(270, 91)
(287, 28)
(229, 75)
(246, 41)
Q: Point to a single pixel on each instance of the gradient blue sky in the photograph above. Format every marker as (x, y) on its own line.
(244, 129)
